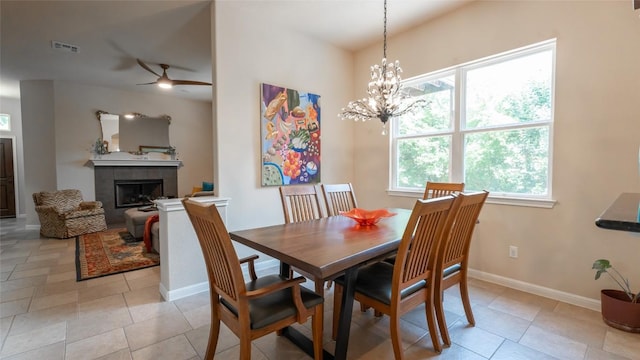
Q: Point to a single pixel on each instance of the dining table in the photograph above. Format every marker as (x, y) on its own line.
(325, 249)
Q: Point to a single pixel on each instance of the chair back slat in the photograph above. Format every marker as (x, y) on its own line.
(439, 189)
(301, 203)
(339, 197)
(223, 266)
(456, 247)
(416, 255)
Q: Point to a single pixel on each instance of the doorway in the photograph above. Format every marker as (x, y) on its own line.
(7, 181)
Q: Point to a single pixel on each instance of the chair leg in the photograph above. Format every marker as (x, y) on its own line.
(442, 321)
(464, 294)
(317, 329)
(245, 347)
(337, 297)
(431, 323)
(214, 331)
(394, 326)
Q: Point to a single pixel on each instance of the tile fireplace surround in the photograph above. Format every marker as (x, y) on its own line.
(118, 167)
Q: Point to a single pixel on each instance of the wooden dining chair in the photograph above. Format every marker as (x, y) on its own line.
(301, 203)
(339, 197)
(258, 307)
(438, 189)
(453, 256)
(433, 190)
(396, 289)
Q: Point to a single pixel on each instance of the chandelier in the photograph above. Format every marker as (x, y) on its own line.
(386, 98)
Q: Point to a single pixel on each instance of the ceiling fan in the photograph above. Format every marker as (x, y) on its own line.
(164, 81)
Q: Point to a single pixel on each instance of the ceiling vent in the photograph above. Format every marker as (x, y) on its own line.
(57, 45)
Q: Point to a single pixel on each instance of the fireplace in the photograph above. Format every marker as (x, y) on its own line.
(138, 186)
(131, 193)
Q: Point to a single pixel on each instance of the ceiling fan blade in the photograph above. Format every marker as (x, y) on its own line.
(144, 66)
(189, 82)
(151, 83)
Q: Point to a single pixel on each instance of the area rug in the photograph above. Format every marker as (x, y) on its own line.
(110, 252)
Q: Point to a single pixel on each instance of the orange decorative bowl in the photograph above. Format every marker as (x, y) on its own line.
(366, 217)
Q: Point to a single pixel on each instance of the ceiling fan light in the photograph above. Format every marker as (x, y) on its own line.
(165, 84)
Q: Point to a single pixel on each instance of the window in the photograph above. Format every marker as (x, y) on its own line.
(487, 123)
(5, 122)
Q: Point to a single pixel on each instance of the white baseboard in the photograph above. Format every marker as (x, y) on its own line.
(267, 264)
(184, 291)
(573, 299)
(204, 286)
(569, 298)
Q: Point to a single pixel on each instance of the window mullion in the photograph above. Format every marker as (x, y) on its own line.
(457, 148)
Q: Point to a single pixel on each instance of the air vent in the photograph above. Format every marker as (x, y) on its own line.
(57, 45)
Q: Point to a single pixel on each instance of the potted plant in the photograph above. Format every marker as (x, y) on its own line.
(620, 308)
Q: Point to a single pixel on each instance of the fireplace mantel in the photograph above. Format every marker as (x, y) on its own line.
(127, 159)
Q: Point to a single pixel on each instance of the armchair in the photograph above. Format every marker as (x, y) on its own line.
(63, 214)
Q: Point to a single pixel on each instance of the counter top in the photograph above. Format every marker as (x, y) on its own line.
(622, 214)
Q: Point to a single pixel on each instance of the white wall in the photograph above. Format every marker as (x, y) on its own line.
(11, 106)
(597, 122)
(38, 139)
(251, 51)
(65, 127)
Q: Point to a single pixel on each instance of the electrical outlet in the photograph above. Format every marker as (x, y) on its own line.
(513, 251)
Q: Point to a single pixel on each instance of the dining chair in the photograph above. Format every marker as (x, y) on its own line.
(433, 190)
(397, 289)
(339, 197)
(258, 307)
(301, 203)
(438, 189)
(452, 261)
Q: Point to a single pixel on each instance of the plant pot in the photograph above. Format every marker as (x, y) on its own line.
(619, 312)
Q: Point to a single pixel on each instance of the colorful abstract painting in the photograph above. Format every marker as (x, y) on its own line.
(290, 132)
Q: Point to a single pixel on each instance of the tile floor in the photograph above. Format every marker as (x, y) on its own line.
(46, 314)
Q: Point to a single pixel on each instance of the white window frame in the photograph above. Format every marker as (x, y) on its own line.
(456, 164)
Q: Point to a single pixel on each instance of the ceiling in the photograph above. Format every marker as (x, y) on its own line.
(110, 36)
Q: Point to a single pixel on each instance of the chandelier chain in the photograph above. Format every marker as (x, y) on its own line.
(384, 51)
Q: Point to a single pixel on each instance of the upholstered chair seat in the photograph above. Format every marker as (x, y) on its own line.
(375, 282)
(272, 308)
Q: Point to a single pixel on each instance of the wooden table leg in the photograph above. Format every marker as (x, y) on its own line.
(344, 324)
(284, 269)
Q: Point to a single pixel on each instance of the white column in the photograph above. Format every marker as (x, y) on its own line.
(182, 269)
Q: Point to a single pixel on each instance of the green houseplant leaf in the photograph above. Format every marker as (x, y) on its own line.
(603, 266)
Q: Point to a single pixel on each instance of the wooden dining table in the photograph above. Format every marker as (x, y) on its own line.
(324, 249)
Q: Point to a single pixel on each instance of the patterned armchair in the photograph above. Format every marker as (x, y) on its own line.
(63, 214)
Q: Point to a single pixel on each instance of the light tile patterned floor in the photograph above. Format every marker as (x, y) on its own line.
(46, 314)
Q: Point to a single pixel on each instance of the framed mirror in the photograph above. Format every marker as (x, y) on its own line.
(128, 133)
(110, 130)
